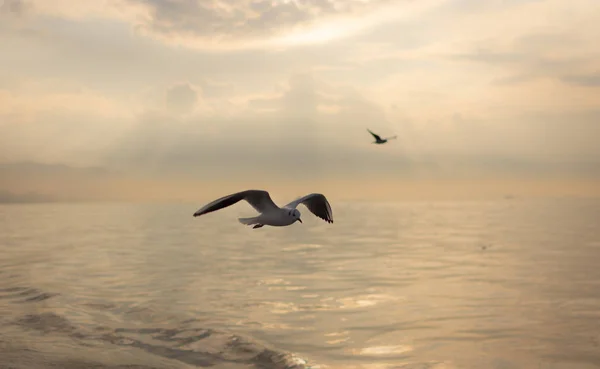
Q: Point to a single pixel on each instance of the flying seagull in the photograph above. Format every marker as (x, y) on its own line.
(379, 140)
(271, 214)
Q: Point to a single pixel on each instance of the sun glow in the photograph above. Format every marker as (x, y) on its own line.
(319, 34)
(346, 27)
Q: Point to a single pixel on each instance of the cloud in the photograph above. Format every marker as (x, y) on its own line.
(215, 90)
(590, 80)
(8, 197)
(181, 98)
(242, 19)
(499, 64)
(35, 182)
(316, 130)
(13, 7)
(83, 10)
(238, 24)
(469, 88)
(71, 124)
(545, 45)
(474, 6)
(525, 62)
(283, 135)
(218, 26)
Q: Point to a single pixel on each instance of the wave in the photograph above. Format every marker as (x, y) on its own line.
(28, 338)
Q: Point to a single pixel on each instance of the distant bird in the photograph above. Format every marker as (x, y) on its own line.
(379, 140)
(271, 214)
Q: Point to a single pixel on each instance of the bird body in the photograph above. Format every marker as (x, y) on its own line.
(277, 218)
(270, 213)
(378, 139)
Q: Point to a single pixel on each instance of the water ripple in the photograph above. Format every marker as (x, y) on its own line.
(416, 285)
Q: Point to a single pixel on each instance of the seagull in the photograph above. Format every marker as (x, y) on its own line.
(271, 214)
(379, 140)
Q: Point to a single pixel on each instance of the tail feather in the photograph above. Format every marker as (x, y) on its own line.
(248, 221)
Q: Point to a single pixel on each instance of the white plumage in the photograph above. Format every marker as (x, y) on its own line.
(270, 213)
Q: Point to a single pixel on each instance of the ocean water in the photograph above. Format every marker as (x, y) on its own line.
(500, 284)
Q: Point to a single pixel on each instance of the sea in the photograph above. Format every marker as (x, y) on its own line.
(503, 284)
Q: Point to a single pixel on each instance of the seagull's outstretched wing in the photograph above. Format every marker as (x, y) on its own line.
(260, 200)
(391, 138)
(317, 204)
(374, 135)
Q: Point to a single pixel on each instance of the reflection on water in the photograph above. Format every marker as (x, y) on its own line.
(508, 284)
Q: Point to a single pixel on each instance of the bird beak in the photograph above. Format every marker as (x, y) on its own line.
(300, 220)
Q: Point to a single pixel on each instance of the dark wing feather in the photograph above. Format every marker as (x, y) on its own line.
(317, 204)
(374, 135)
(260, 200)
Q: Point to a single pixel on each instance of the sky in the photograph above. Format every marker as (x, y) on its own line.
(163, 99)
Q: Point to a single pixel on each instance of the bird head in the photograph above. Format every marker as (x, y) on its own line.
(296, 215)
